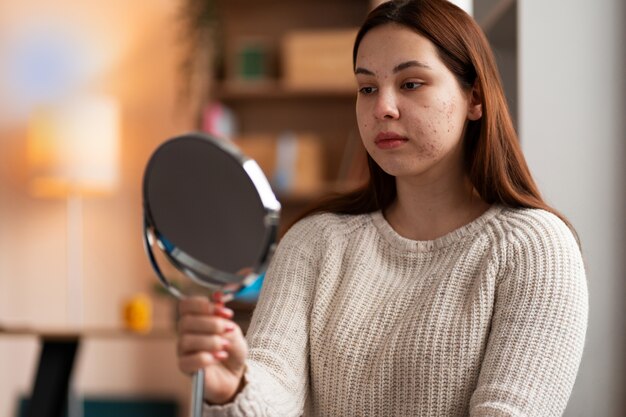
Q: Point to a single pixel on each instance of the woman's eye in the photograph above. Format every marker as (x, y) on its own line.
(367, 90)
(411, 85)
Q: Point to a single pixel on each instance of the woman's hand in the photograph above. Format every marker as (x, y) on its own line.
(209, 339)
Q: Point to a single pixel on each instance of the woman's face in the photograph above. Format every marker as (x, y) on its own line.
(410, 109)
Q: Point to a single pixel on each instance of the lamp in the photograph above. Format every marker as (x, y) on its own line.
(72, 153)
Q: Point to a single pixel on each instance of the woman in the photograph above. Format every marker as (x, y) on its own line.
(445, 287)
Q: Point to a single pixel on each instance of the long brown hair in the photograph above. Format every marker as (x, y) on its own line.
(492, 155)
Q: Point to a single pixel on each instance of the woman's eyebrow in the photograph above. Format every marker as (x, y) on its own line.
(396, 69)
(410, 64)
(359, 70)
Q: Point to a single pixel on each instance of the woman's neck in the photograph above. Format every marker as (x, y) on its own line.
(427, 211)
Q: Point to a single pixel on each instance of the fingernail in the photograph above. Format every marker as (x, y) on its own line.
(229, 327)
(226, 311)
(225, 344)
(221, 354)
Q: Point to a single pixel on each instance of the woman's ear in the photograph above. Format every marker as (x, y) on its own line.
(475, 108)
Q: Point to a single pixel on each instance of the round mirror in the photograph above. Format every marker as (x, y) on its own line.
(212, 214)
(210, 210)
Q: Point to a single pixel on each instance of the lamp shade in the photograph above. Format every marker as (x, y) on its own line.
(73, 147)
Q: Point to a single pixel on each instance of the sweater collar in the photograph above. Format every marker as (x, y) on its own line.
(405, 244)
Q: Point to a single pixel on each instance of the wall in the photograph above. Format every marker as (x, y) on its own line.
(134, 45)
(572, 90)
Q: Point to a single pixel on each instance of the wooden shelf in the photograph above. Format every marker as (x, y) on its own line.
(276, 90)
(271, 107)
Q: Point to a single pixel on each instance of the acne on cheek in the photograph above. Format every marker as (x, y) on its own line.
(450, 109)
(433, 128)
(429, 150)
(444, 120)
(441, 120)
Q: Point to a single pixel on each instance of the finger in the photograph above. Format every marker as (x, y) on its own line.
(204, 325)
(218, 297)
(190, 364)
(201, 305)
(195, 305)
(222, 311)
(191, 343)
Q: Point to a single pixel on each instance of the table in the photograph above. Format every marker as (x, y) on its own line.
(59, 348)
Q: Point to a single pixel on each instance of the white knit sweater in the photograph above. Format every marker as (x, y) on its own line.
(355, 320)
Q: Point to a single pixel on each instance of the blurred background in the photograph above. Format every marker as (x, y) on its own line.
(88, 90)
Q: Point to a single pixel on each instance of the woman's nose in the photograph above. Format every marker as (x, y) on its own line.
(386, 106)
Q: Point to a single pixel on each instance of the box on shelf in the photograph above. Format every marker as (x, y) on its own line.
(313, 59)
(293, 163)
(251, 59)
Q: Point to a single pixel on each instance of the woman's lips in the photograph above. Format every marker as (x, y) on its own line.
(389, 140)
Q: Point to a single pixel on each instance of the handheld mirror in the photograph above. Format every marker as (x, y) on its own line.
(212, 215)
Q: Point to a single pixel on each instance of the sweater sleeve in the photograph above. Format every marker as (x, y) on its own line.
(538, 325)
(277, 374)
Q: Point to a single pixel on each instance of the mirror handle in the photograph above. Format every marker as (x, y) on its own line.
(197, 394)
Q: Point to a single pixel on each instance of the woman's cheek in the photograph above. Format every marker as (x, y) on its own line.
(428, 135)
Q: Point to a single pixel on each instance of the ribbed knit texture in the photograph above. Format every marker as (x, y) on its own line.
(355, 320)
